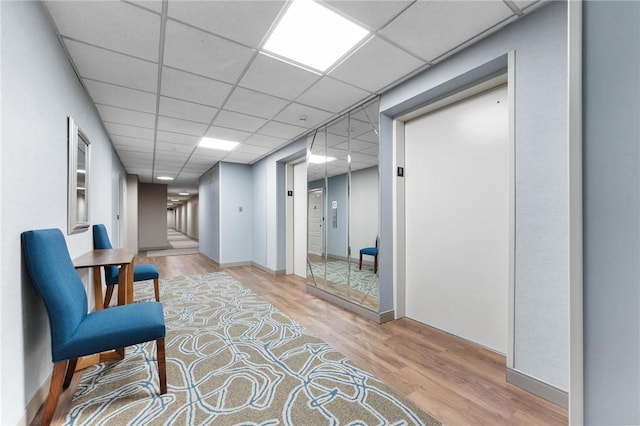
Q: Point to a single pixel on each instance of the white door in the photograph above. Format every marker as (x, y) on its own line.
(457, 218)
(316, 222)
(300, 219)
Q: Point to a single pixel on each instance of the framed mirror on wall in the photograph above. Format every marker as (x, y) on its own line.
(79, 149)
(343, 187)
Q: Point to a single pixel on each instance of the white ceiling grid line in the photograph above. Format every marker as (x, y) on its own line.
(163, 74)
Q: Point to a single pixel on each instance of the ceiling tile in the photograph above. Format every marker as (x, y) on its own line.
(131, 131)
(176, 108)
(266, 141)
(332, 95)
(207, 55)
(235, 120)
(251, 149)
(372, 14)
(178, 148)
(113, 25)
(109, 94)
(132, 144)
(302, 115)
(206, 155)
(244, 21)
(154, 5)
(281, 130)
(126, 116)
(366, 69)
(175, 125)
(523, 4)
(241, 158)
(227, 134)
(433, 21)
(111, 67)
(254, 103)
(277, 78)
(190, 87)
(177, 138)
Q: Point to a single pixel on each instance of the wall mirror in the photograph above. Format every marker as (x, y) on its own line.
(343, 206)
(78, 179)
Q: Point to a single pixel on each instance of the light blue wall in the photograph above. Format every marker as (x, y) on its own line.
(269, 231)
(209, 213)
(236, 231)
(259, 245)
(39, 90)
(542, 229)
(611, 201)
(337, 237)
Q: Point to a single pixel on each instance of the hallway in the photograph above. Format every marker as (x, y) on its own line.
(180, 245)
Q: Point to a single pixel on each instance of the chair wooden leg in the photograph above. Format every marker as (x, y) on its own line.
(71, 368)
(360, 260)
(59, 369)
(107, 296)
(375, 264)
(156, 289)
(162, 366)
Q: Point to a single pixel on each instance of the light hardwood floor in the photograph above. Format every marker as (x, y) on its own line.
(456, 382)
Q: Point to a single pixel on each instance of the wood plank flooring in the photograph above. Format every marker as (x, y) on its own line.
(456, 382)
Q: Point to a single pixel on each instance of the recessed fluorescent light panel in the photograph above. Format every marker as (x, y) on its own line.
(183, 193)
(320, 159)
(219, 144)
(165, 178)
(313, 35)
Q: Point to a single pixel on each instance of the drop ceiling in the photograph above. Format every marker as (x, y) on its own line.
(164, 74)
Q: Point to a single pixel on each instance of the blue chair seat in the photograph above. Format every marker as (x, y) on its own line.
(369, 251)
(141, 271)
(119, 326)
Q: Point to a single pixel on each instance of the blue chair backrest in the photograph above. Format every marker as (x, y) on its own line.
(57, 282)
(101, 241)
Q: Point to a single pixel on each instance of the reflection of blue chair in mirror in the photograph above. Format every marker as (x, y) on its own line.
(74, 333)
(371, 251)
(141, 272)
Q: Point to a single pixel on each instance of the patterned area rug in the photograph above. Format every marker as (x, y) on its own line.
(232, 358)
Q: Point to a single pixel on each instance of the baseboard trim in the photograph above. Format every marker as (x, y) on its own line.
(39, 398)
(233, 264)
(536, 387)
(277, 272)
(353, 307)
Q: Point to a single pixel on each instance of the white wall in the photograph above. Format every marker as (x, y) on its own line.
(236, 213)
(152, 219)
(209, 213)
(39, 90)
(171, 219)
(192, 224)
(541, 164)
(269, 234)
(611, 202)
(364, 210)
(131, 217)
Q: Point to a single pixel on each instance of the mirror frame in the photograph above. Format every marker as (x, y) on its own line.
(76, 224)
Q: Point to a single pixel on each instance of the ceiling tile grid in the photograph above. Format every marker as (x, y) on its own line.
(165, 74)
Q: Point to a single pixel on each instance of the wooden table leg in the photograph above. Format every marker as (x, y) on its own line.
(130, 282)
(122, 284)
(97, 288)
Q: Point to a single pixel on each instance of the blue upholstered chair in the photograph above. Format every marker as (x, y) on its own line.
(141, 271)
(371, 251)
(74, 332)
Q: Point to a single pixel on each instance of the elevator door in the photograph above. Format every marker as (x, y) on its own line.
(457, 215)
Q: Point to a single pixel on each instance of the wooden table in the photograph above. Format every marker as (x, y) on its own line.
(97, 259)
